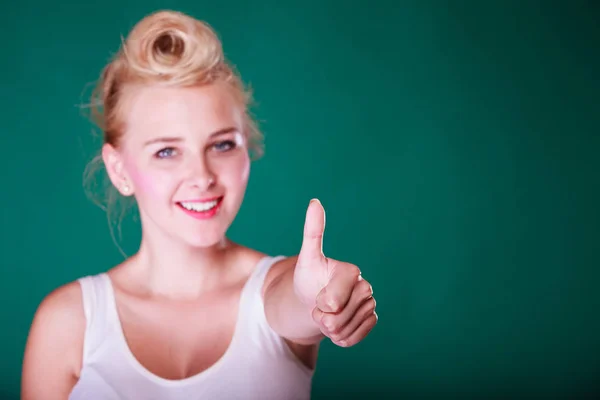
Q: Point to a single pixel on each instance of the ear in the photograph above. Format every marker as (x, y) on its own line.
(113, 161)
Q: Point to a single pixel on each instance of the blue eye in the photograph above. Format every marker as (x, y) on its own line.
(165, 153)
(225, 145)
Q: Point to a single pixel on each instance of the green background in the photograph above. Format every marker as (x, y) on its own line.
(454, 146)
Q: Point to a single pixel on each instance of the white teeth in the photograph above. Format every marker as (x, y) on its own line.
(199, 206)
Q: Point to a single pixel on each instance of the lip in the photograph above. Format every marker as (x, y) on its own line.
(201, 200)
(202, 214)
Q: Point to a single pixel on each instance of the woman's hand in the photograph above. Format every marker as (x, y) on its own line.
(342, 301)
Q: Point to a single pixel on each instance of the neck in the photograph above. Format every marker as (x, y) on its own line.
(168, 268)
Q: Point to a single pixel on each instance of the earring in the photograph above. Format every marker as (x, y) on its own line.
(125, 188)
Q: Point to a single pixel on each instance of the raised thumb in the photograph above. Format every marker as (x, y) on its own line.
(314, 228)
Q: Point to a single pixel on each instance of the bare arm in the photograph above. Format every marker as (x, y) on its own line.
(52, 358)
(286, 314)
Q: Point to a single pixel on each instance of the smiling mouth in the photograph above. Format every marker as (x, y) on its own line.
(205, 208)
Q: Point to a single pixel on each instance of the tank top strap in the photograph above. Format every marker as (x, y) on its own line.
(95, 293)
(252, 316)
(255, 326)
(257, 278)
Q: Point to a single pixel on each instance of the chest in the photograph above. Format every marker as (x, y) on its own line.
(179, 340)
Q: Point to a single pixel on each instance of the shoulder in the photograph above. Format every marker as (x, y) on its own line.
(57, 330)
(64, 298)
(61, 309)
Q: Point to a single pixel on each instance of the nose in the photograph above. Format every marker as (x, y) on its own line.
(200, 174)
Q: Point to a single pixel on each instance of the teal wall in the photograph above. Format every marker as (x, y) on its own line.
(455, 148)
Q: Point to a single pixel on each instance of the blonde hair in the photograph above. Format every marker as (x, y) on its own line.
(166, 48)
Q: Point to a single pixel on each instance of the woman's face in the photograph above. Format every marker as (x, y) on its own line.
(184, 156)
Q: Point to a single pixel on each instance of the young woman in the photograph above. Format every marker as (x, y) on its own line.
(191, 315)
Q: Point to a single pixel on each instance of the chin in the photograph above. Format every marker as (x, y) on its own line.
(203, 240)
(204, 234)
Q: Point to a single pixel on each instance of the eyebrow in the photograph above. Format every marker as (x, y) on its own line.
(174, 139)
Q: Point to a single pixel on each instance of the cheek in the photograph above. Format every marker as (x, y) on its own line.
(235, 172)
(149, 182)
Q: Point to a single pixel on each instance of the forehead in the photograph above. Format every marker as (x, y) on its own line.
(197, 111)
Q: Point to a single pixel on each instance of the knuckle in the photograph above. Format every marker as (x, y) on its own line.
(333, 303)
(369, 308)
(365, 288)
(330, 324)
(372, 304)
(354, 270)
(351, 270)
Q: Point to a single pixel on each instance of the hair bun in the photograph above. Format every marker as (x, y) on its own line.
(174, 46)
(168, 48)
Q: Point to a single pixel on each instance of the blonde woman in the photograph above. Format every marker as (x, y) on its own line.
(191, 315)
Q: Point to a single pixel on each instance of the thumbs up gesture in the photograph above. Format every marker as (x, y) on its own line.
(342, 301)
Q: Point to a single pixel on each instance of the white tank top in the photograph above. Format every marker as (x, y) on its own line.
(258, 364)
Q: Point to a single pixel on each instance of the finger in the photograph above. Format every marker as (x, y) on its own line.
(361, 332)
(314, 227)
(336, 294)
(366, 310)
(334, 323)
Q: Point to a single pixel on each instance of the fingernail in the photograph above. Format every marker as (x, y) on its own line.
(314, 201)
